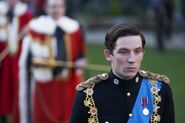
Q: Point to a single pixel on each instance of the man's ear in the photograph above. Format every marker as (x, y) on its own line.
(107, 54)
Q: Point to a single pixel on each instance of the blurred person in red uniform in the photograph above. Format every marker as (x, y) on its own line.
(53, 59)
(13, 23)
(5, 91)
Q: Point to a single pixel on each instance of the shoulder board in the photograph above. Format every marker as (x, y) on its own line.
(154, 76)
(93, 80)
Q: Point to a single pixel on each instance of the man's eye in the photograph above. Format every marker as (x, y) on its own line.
(124, 52)
(138, 50)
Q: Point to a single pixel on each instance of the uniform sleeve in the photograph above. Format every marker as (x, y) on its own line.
(79, 111)
(169, 114)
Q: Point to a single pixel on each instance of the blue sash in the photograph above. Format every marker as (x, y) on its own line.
(137, 112)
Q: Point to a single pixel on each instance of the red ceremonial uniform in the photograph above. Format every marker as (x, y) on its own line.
(5, 92)
(14, 24)
(11, 29)
(48, 44)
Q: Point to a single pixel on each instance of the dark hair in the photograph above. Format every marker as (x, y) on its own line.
(121, 30)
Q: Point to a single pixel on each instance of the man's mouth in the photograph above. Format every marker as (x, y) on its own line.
(131, 69)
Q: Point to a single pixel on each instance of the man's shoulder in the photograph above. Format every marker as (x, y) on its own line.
(92, 81)
(68, 24)
(42, 25)
(3, 8)
(154, 76)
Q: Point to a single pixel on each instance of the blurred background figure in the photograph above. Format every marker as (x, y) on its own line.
(183, 14)
(53, 59)
(183, 8)
(5, 91)
(162, 12)
(13, 21)
(37, 7)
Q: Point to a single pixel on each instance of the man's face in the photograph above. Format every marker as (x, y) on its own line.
(56, 8)
(126, 57)
(11, 3)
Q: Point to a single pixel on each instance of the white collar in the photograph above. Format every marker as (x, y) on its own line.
(46, 24)
(20, 8)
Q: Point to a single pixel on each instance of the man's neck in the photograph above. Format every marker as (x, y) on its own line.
(123, 77)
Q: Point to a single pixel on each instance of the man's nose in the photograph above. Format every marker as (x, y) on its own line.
(132, 58)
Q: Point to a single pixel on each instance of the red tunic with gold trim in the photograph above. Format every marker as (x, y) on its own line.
(49, 48)
(10, 30)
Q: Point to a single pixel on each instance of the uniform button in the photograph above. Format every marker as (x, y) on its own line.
(128, 94)
(116, 81)
(130, 115)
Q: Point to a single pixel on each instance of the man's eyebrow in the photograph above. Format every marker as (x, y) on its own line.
(129, 49)
(123, 49)
(139, 48)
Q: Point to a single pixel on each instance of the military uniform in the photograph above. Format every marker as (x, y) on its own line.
(106, 98)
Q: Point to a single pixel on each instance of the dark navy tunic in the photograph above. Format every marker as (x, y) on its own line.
(115, 99)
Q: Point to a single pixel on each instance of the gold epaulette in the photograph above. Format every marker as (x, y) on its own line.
(154, 76)
(91, 81)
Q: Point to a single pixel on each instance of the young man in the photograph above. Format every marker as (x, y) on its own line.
(52, 58)
(126, 94)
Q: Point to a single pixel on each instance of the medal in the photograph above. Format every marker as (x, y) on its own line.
(144, 102)
(145, 111)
